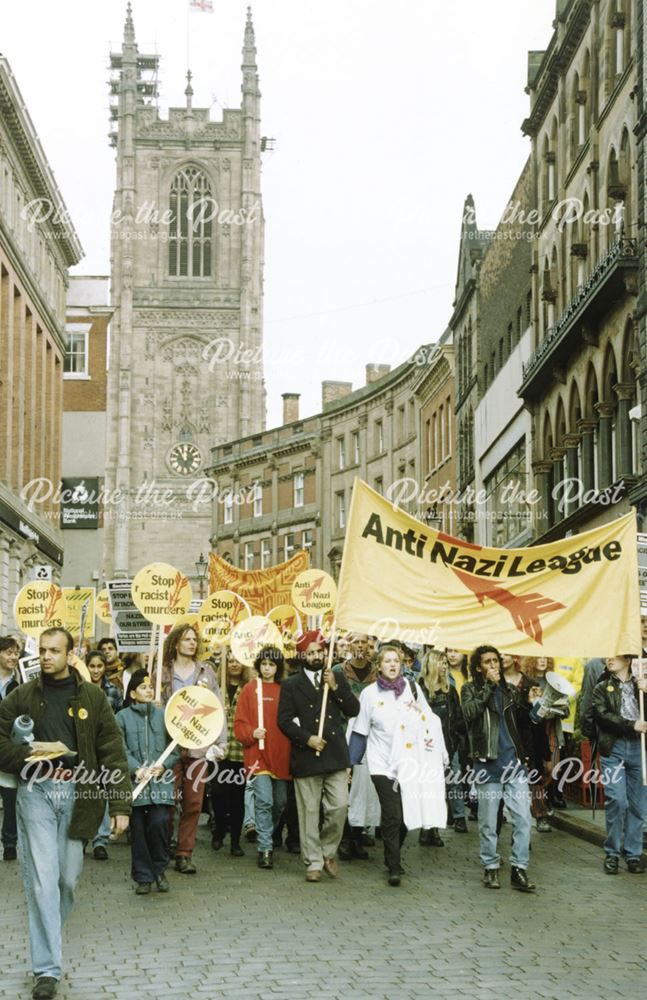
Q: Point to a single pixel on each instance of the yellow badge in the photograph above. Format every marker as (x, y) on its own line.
(379, 704)
(423, 717)
(408, 745)
(83, 713)
(70, 712)
(610, 687)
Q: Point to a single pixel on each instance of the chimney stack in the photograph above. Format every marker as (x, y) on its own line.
(290, 406)
(374, 372)
(331, 391)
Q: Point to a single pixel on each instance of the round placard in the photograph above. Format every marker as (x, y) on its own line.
(314, 592)
(194, 717)
(219, 613)
(39, 605)
(102, 607)
(161, 593)
(250, 636)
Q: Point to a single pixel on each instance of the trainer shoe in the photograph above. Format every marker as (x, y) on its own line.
(162, 883)
(45, 987)
(635, 866)
(519, 880)
(100, 853)
(491, 878)
(611, 864)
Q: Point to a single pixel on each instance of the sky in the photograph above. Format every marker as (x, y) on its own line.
(385, 115)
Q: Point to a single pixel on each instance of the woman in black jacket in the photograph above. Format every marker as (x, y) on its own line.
(444, 702)
(616, 715)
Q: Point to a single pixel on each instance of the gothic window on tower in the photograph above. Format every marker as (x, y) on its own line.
(190, 228)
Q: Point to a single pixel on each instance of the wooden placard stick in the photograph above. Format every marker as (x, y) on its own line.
(641, 702)
(324, 699)
(151, 651)
(160, 760)
(259, 702)
(158, 669)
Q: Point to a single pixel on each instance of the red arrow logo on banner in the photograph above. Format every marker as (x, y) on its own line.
(188, 713)
(524, 611)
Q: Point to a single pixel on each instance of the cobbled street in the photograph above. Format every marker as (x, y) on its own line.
(235, 932)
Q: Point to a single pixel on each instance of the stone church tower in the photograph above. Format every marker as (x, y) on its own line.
(185, 365)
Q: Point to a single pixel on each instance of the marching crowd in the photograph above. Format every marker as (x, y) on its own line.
(411, 740)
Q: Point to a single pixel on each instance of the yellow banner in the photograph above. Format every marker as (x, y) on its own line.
(263, 589)
(402, 580)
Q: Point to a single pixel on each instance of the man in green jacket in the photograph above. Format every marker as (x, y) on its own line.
(61, 797)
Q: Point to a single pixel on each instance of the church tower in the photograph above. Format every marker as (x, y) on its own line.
(185, 365)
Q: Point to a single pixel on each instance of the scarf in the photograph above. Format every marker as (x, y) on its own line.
(398, 685)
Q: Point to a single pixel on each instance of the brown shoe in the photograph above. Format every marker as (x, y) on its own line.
(313, 875)
(330, 867)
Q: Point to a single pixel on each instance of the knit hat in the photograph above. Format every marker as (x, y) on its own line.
(136, 678)
(314, 635)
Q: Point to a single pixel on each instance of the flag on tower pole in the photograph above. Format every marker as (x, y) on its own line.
(206, 6)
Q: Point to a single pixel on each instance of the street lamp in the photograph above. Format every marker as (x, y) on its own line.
(201, 571)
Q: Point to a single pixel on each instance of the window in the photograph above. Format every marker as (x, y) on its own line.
(341, 510)
(379, 437)
(506, 514)
(448, 437)
(289, 546)
(249, 555)
(266, 553)
(412, 417)
(298, 489)
(306, 542)
(190, 229)
(441, 421)
(400, 431)
(341, 452)
(76, 354)
(355, 446)
(257, 500)
(228, 507)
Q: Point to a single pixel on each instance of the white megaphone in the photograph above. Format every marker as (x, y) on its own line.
(554, 700)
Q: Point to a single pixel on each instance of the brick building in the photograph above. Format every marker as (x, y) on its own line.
(37, 246)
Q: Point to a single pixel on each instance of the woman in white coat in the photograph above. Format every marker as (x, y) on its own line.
(406, 755)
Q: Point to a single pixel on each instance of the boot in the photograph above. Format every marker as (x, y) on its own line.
(435, 840)
(265, 859)
(344, 851)
(424, 838)
(236, 850)
(519, 880)
(357, 850)
(491, 878)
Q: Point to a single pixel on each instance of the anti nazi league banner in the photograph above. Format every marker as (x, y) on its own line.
(574, 597)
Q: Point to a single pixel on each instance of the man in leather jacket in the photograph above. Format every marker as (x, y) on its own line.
(498, 729)
(616, 714)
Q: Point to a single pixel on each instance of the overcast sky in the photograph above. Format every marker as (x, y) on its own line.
(385, 116)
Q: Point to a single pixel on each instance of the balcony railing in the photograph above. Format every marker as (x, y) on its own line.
(603, 287)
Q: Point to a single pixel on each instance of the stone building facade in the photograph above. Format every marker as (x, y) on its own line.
(290, 487)
(37, 246)
(437, 456)
(185, 367)
(580, 382)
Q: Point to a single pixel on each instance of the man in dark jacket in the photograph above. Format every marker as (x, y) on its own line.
(616, 714)
(499, 735)
(318, 764)
(9, 653)
(61, 797)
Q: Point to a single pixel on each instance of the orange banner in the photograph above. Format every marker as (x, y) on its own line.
(263, 589)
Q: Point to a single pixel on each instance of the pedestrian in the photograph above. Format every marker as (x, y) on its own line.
(617, 717)
(267, 767)
(181, 668)
(444, 702)
(227, 787)
(146, 739)
(406, 754)
(498, 726)
(318, 763)
(546, 735)
(114, 666)
(62, 803)
(363, 804)
(457, 668)
(9, 654)
(96, 664)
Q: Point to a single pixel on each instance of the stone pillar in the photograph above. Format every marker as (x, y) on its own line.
(624, 392)
(572, 442)
(557, 460)
(605, 470)
(586, 429)
(542, 473)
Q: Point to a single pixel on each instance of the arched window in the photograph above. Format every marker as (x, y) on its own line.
(190, 229)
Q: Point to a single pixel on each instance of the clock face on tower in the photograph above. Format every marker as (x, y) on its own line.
(184, 458)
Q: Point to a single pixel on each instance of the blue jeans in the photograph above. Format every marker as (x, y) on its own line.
(149, 844)
(51, 867)
(103, 833)
(625, 798)
(270, 796)
(516, 796)
(456, 790)
(249, 819)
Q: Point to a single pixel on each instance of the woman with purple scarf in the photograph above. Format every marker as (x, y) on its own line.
(405, 752)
